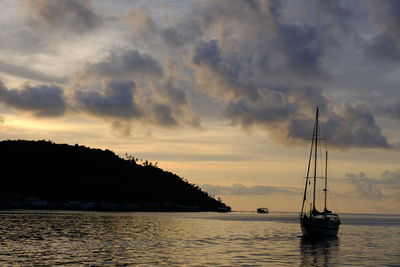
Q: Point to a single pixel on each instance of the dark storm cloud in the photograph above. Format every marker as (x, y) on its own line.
(388, 15)
(263, 67)
(296, 47)
(287, 58)
(270, 107)
(222, 74)
(185, 32)
(278, 51)
(122, 103)
(339, 13)
(180, 36)
(179, 104)
(303, 47)
(62, 15)
(27, 73)
(176, 96)
(344, 126)
(163, 114)
(207, 53)
(122, 65)
(387, 186)
(138, 92)
(41, 101)
(239, 190)
(114, 102)
(354, 126)
(117, 101)
(266, 63)
(386, 44)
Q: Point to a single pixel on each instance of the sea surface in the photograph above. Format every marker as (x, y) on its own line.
(43, 238)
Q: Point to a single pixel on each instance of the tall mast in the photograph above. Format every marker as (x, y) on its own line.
(308, 171)
(315, 156)
(326, 177)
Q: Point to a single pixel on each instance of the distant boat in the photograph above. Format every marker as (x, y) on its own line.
(262, 210)
(317, 223)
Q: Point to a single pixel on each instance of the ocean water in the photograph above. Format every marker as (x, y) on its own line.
(43, 238)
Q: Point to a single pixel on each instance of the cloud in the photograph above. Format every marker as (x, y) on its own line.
(180, 36)
(122, 65)
(269, 107)
(22, 41)
(224, 76)
(175, 98)
(276, 80)
(393, 110)
(238, 189)
(28, 73)
(207, 53)
(388, 186)
(117, 101)
(263, 63)
(385, 45)
(71, 16)
(387, 16)
(152, 97)
(163, 114)
(338, 12)
(391, 178)
(354, 125)
(114, 102)
(276, 45)
(345, 125)
(122, 103)
(303, 48)
(41, 101)
(185, 32)
(365, 187)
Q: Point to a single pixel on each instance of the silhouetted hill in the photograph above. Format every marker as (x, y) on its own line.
(42, 174)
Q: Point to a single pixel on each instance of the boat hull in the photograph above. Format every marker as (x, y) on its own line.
(262, 210)
(318, 229)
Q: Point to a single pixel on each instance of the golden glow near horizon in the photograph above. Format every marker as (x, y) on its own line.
(223, 102)
(215, 156)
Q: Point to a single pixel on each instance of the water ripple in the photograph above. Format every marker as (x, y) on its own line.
(189, 239)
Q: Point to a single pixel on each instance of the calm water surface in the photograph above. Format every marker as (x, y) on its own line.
(191, 239)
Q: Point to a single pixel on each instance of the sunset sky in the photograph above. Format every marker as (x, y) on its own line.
(222, 93)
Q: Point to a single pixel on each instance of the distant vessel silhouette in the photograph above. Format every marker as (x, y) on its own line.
(316, 223)
(262, 210)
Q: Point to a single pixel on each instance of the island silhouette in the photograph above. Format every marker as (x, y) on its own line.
(45, 175)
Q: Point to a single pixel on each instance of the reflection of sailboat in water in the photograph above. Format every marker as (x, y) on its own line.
(317, 223)
(319, 252)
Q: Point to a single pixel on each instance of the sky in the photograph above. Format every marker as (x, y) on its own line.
(222, 93)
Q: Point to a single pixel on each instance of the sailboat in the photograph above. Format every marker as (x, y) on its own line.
(317, 223)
